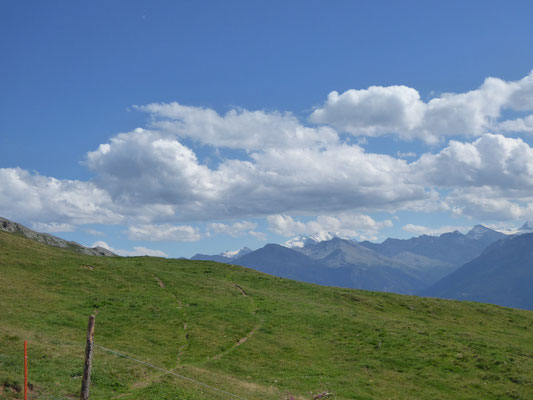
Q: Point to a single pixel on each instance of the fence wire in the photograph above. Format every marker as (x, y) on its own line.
(233, 396)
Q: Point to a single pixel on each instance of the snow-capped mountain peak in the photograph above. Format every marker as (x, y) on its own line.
(235, 253)
(526, 228)
(302, 241)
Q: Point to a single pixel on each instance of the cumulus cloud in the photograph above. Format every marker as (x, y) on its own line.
(238, 128)
(521, 98)
(153, 182)
(53, 203)
(137, 251)
(239, 228)
(489, 178)
(517, 125)
(345, 224)
(146, 177)
(399, 110)
(424, 230)
(409, 154)
(373, 111)
(146, 167)
(164, 232)
(492, 160)
(489, 203)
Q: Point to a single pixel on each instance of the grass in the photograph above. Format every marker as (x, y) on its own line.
(301, 339)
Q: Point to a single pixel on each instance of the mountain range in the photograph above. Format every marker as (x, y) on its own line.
(482, 265)
(400, 266)
(453, 248)
(225, 257)
(502, 274)
(336, 262)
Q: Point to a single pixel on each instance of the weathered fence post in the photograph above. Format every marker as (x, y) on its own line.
(86, 380)
(25, 370)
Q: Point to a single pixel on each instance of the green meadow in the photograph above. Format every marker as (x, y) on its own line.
(213, 329)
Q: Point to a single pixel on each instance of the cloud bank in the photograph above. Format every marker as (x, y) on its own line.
(152, 180)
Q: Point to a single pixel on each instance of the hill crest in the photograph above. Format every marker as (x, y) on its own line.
(7, 225)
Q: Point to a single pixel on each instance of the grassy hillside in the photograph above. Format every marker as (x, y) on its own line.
(247, 333)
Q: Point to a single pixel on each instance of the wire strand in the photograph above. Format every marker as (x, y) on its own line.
(170, 372)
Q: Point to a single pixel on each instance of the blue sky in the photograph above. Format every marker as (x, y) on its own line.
(184, 127)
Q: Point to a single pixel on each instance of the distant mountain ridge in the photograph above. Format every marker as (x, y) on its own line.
(306, 240)
(51, 240)
(225, 257)
(454, 248)
(498, 267)
(333, 263)
(396, 265)
(502, 274)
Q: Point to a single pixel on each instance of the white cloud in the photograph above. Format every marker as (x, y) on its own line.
(521, 98)
(345, 224)
(517, 125)
(424, 230)
(490, 178)
(331, 180)
(489, 203)
(374, 111)
(164, 232)
(52, 227)
(239, 228)
(53, 203)
(145, 177)
(149, 180)
(399, 110)
(144, 168)
(148, 167)
(236, 229)
(409, 154)
(491, 160)
(137, 251)
(239, 129)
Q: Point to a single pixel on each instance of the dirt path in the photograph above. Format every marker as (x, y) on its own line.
(182, 348)
(160, 282)
(249, 335)
(240, 289)
(240, 342)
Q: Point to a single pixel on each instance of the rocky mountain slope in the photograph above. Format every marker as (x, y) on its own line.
(453, 248)
(14, 227)
(502, 274)
(335, 262)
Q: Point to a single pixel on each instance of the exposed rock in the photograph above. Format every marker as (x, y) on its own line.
(50, 240)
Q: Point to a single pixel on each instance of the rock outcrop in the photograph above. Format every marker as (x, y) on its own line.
(50, 240)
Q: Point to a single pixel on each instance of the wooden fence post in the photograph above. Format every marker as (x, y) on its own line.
(86, 380)
(25, 370)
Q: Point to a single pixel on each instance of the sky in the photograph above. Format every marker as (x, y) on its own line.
(171, 128)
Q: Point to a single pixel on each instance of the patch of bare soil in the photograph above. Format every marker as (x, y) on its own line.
(240, 289)
(240, 342)
(160, 282)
